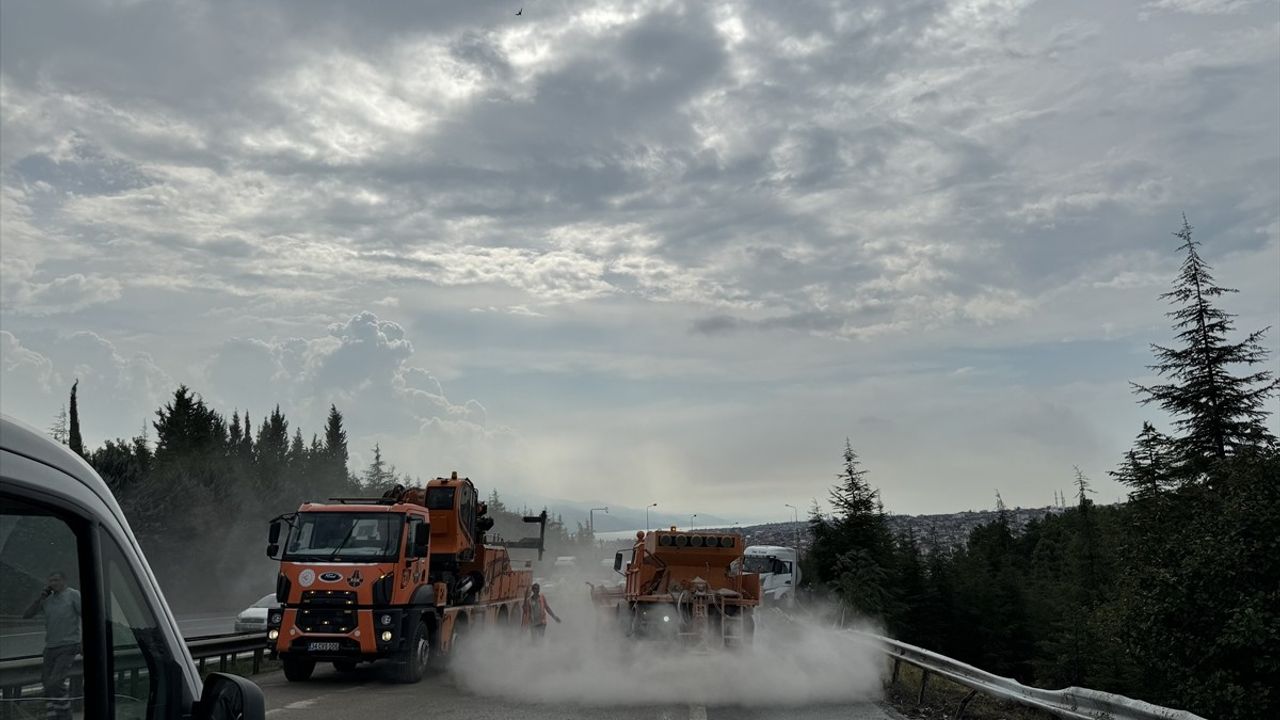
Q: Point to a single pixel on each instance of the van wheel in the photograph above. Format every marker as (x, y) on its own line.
(414, 662)
(344, 666)
(298, 669)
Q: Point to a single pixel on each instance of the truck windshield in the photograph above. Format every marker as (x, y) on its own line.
(757, 564)
(345, 537)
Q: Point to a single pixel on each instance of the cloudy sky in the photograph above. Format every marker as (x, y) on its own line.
(636, 251)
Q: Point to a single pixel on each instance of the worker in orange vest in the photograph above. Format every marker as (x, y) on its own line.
(536, 611)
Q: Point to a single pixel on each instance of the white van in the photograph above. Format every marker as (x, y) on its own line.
(97, 630)
(778, 569)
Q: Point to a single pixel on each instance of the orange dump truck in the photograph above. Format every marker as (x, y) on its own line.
(684, 586)
(399, 578)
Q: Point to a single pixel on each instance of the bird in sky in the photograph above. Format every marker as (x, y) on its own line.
(520, 11)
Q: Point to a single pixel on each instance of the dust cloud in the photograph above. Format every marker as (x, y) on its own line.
(793, 661)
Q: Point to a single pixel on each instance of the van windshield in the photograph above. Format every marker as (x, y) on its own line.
(345, 537)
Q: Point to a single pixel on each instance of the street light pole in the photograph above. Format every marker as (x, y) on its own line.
(646, 517)
(591, 518)
(795, 519)
(691, 517)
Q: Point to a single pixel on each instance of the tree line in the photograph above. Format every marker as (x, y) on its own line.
(1172, 597)
(200, 493)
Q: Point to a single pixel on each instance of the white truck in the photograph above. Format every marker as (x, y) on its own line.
(779, 572)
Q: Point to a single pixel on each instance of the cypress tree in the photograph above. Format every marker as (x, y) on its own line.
(74, 441)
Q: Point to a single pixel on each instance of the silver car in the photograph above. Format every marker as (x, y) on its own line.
(254, 617)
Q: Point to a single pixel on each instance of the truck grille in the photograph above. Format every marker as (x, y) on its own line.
(327, 611)
(326, 620)
(329, 598)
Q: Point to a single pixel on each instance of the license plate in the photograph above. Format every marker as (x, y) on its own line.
(322, 647)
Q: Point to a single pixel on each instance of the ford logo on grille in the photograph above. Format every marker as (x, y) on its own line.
(330, 577)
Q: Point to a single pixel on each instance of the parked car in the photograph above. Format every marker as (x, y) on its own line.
(67, 555)
(254, 617)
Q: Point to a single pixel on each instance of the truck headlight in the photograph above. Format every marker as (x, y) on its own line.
(385, 619)
(386, 636)
(273, 634)
(276, 618)
(666, 618)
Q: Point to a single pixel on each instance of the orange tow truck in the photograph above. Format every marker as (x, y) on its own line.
(684, 586)
(401, 578)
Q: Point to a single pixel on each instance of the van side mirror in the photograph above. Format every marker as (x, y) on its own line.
(617, 562)
(230, 697)
(422, 540)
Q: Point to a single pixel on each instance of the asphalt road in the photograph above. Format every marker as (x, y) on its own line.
(365, 694)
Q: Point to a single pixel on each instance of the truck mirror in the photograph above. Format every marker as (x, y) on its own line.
(229, 697)
(422, 540)
(272, 550)
(617, 562)
(273, 533)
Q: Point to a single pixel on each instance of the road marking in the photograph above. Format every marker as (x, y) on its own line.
(697, 712)
(296, 705)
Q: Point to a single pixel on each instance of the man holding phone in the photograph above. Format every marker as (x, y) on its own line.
(61, 608)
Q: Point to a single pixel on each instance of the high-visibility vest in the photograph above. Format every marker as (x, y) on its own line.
(542, 611)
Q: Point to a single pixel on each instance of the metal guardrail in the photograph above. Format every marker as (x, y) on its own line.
(1073, 702)
(22, 674)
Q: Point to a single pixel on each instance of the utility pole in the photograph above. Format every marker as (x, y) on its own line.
(691, 517)
(646, 517)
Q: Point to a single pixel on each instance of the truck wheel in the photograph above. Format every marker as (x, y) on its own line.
(298, 669)
(344, 666)
(417, 655)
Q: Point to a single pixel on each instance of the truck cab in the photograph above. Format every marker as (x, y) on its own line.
(353, 585)
(392, 578)
(778, 570)
(69, 559)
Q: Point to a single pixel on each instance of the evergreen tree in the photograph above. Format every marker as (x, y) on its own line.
(245, 449)
(1217, 412)
(379, 476)
(235, 433)
(853, 550)
(336, 457)
(74, 441)
(1147, 467)
(853, 496)
(297, 450)
(335, 438)
(58, 430)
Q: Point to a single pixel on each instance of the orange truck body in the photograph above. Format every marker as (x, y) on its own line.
(368, 579)
(685, 586)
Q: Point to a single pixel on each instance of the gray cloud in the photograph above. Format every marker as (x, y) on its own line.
(637, 190)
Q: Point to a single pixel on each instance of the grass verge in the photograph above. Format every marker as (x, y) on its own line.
(942, 698)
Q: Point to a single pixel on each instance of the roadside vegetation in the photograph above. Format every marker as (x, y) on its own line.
(1172, 597)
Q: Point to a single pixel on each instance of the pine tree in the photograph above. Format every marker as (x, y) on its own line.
(853, 496)
(335, 451)
(235, 432)
(335, 438)
(58, 430)
(74, 441)
(297, 450)
(1147, 466)
(1218, 413)
(379, 476)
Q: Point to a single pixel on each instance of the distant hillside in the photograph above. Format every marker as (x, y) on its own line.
(952, 529)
